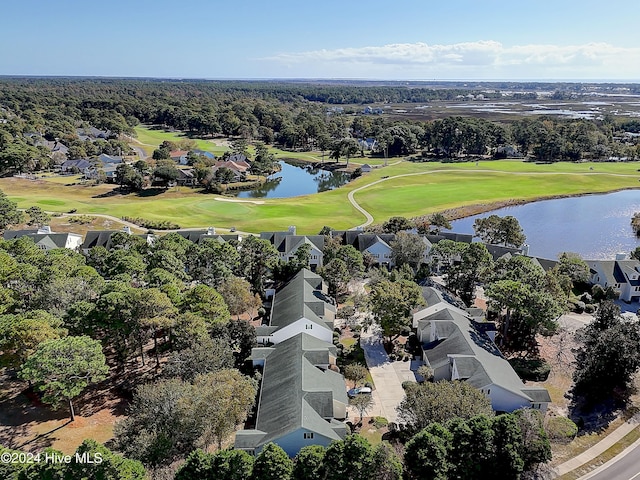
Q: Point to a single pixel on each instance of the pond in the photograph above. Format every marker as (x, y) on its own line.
(294, 180)
(594, 226)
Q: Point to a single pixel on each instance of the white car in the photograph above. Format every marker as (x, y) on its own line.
(355, 391)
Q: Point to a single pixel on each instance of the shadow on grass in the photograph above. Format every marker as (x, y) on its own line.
(595, 418)
(151, 192)
(42, 440)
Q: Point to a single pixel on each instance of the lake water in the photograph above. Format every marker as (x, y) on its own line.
(294, 180)
(595, 226)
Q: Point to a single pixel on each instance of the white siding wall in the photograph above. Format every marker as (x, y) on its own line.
(504, 400)
(302, 326)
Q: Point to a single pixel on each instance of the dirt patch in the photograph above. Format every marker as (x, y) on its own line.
(30, 425)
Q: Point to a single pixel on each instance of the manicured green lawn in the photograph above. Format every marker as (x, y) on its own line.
(425, 188)
(148, 137)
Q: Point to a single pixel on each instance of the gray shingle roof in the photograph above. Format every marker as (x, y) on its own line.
(301, 297)
(295, 394)
(477, 358)
(537, 395)
(98, 238)
(46, 240)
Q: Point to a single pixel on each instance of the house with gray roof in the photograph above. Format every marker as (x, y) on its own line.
(102, 238)
(80, 165)
(302, 401)
(45, 239)
(300, 306)
(376, 245)
(199, 236)
(457, 347)
(621, 274)
(287, 244)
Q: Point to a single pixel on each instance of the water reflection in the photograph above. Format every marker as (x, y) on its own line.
(595, 226)
(294, 180)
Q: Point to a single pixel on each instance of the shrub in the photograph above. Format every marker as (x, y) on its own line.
(535, 370)
(561, 429)
(380, 422)
(81, 219)
(156, 224)
(589, 308)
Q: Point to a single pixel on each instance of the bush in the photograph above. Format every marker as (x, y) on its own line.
(535, 370)
(156, 224)
(589, 308)
(561, 429)
(407, 384)
(81, 219)
(380, 422)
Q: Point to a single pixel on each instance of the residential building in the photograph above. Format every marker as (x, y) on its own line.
(80, 165)
(287, 244)
(199, 236)
(302, 401)
(204, 153)
(302, 305)
(459, 347)
(179, 156)
(621, 274)
(187, 177)
(45, 239)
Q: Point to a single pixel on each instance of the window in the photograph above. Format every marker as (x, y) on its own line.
(488, 391)
(308, 435)
(308, 326)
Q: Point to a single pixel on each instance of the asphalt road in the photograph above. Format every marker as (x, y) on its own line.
(625, 466)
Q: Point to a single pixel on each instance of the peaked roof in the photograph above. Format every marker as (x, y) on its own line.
(199, 236)
(288, 242)
(46, 240)
(301, 297)
(80, 163)
(367, 240)
(476, 357)
(295, 394)
(104, 158)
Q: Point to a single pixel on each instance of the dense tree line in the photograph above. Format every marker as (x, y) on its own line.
(91, 460)
(292, 115)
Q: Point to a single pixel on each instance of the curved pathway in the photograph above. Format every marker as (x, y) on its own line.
(369, 217)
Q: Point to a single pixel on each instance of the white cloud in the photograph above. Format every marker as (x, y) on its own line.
(488, 57)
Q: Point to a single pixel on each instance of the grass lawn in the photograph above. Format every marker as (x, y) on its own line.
(151, 139)
(423, 188)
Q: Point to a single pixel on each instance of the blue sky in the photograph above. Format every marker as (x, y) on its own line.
(396, 40)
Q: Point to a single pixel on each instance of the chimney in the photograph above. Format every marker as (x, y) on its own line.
(525, 249)
(211, 231)
(292, 229)
(126, 229)
(45, 229)
(621, 256)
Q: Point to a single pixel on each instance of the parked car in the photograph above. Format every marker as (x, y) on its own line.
(356, 391)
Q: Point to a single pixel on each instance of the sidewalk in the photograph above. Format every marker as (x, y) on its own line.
(600, 447)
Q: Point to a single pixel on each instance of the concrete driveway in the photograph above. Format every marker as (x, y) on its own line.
(387, 377)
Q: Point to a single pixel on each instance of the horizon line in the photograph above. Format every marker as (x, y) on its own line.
(326, 79)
